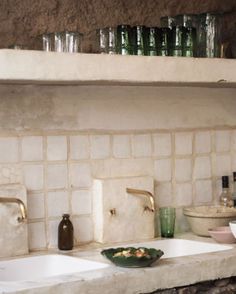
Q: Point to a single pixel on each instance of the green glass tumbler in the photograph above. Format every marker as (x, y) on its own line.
(167, 221)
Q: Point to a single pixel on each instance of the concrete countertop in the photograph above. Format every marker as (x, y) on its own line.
(166, 273)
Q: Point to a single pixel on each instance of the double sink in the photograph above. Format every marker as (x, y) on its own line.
(52, 265)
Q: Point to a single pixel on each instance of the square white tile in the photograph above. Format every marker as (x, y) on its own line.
(222, 165)
(56, 148)
(222, 141)
(37, 235)
(83, 229)
(79, 147)
(33, 176)
(53, 233)
(184, 195)
(203, 192)
(56, 176)
(35, 206)
(58, 203)
(81, 202)
(32, 148)
(100, 146)
(141, 145)
(162, 144)
(183, 169)
(80, 174)
(183, 143)
(164, 194)
(121, 146)
(202, 167)
(162, 169)
(9, 149)
(203, 142)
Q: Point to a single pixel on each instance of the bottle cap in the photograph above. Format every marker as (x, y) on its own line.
(225, 182)
(66, 215)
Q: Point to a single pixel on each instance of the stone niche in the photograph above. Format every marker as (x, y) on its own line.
(22, 22)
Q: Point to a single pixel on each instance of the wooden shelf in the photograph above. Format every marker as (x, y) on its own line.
(38, 67)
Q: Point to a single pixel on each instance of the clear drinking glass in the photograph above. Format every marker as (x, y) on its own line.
(167, 221)
(102, 40)
(59, 42)
(209, 35)
(72, 42)
(111, 41)
(48, 42)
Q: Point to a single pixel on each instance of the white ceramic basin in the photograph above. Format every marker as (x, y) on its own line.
(44, 266)
(179, 247)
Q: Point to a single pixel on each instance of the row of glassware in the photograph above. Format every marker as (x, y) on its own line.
(183, 35)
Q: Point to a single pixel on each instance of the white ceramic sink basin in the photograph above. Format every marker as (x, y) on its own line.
(179, 247)
(44, 266)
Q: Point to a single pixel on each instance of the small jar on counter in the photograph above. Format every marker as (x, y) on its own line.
(65, 233)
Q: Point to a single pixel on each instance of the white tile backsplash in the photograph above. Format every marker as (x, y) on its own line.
(222, 141)
(183, 143)
(9, 149)
(36, 208)
(81, 202)
(83, 229)
(203, 142)
(32, 148)
(186, 166)
(184, 194)
(33, 176)
(121, 146)
(57, 176)
(80, 174)
(37, 235)
(162, 144)
(56, 148)
(183, 169)
(79, 147)
(141, 145)
(222, 165)
(202, 167)
(203, 192)
(162, 169)
(163, 194)
(100, 146)
(57, 203)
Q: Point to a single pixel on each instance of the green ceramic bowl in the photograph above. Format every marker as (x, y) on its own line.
(131, 260)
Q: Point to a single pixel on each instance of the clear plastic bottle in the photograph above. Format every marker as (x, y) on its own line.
(65, 233)
(225, 196)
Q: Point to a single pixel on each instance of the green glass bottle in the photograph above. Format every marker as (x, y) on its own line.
(177, 34)
(124, 40)
(65, 233)
(150, 41)
(163, 42)
(137, 40)
(189, 42)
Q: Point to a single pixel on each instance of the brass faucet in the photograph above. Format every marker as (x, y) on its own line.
(146, 193)
(21, 205)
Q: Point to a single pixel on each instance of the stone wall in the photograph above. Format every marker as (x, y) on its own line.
(21, 21)
(223, 286)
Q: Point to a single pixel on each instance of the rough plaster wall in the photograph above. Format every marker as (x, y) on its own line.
(21, 21)
(85, 108)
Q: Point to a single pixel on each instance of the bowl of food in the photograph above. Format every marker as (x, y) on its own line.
(131, 256)
(222, 235)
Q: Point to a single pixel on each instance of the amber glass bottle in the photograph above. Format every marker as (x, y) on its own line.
(65, 233)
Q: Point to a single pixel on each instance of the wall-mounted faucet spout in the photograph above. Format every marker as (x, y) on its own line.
(21, 205)
(146, 193)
